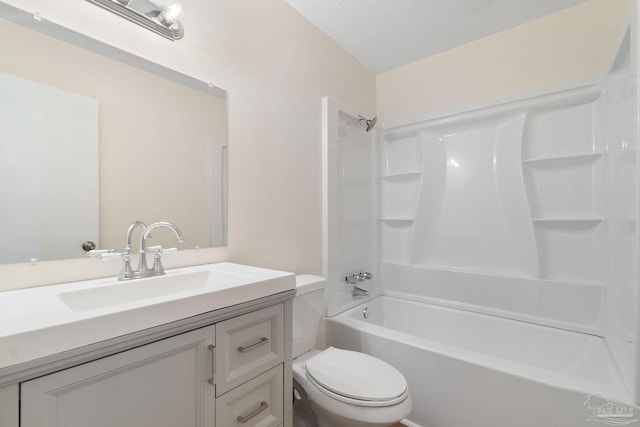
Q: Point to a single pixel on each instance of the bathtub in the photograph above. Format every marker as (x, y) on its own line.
(468, 369)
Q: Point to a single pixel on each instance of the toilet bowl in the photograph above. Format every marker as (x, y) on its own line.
(345, 388)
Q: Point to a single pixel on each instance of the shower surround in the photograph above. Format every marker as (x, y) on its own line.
(504, 205)
(524, 212)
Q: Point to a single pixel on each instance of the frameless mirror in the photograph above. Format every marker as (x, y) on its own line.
(89, 144)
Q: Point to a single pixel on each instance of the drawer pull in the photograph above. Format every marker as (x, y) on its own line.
(243, 419)
(263, 340)
(212, 380)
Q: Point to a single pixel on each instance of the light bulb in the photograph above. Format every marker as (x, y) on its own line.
(171, 14)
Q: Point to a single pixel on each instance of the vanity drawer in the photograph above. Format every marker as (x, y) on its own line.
(258, 402)
(248, 345)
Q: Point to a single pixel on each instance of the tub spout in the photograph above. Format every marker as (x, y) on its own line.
(359, 292)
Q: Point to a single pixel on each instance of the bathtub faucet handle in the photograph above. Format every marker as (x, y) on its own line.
(352, 280)
(366, 275)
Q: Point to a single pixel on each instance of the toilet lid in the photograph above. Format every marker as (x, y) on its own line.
(356, 375)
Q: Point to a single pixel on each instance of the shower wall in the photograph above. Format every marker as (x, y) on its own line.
(350, 200)
(526, 210)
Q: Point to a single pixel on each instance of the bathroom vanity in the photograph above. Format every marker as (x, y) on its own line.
(214, 352)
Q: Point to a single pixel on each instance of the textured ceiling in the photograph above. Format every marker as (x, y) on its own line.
(385, 34)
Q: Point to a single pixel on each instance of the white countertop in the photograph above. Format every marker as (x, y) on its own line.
(42, 321)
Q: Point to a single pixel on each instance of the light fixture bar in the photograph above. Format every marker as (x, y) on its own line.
(144, 13)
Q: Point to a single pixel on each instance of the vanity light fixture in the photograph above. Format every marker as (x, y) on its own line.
(163, 20)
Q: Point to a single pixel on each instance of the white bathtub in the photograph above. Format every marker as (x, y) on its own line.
(467, 369)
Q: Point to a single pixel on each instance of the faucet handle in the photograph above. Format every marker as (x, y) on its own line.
(157, 268)
(352, 279)
(126, 273)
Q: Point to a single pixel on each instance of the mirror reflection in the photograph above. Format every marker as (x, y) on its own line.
(133, 145)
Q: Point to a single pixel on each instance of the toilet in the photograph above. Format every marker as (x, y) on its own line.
(344, 388)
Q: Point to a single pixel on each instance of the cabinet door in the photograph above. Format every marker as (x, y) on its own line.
(162, 384)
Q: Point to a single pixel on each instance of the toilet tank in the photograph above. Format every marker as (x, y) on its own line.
(307, 312)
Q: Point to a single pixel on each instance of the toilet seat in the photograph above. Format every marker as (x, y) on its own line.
(356, 378)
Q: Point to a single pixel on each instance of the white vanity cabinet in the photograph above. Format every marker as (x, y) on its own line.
(159, 384)
(226, 368)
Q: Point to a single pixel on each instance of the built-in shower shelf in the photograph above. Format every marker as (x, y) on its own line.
(397, 220)
(402, 175)
(565, 160)
(560, 220)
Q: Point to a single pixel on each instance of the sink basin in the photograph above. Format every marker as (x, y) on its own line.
(41, 321)
(116, 293)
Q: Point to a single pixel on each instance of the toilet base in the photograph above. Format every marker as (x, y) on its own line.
(303, 414)
(333, 413)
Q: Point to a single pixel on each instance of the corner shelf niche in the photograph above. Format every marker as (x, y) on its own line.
(568, 221)
(562, 160)
(397, 237)
(564, 168)
(401, 175)
(400, 181)
(570, 249)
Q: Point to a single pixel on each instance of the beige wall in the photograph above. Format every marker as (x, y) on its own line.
(282, 67)
(571, 47)
(276, 67)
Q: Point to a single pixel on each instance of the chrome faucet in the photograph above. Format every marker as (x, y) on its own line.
(354, 279)
(359, 292)
(365, 276)
(127, 272)
(157, 269)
